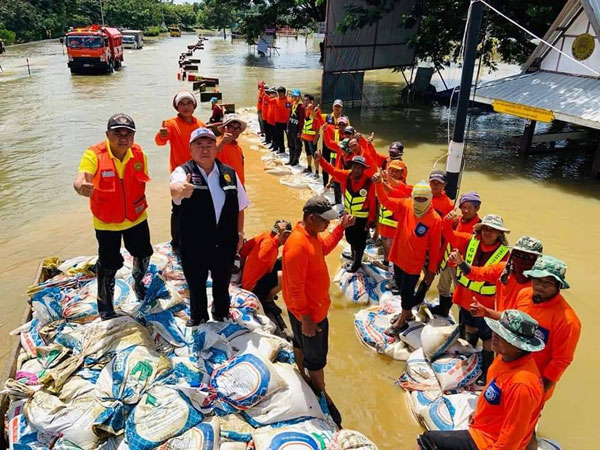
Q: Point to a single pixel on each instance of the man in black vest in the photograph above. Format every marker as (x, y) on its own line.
(211, 224)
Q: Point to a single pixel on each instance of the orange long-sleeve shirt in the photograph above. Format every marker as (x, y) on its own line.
(280, 109)
(509, 407)
(415, 236)
(268, 110)
(232, 154)
(178, 135)
(261, 254)
(332, 137)
(460, 226)
(463, 296)
(442, 204)
(259, 100)
(305, 279)
(506, 294)
(401, 190)
(343, 177)
(560, 328)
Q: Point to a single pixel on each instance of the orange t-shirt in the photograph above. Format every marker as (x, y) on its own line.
(280, 108)
(560, 328)
(509, 406)
(415, 236)
(261, 254)
(305, 279)
(232, 154)
(506, 294)
(178, 134)
(259, 101)
(442, 204)
(268, 110)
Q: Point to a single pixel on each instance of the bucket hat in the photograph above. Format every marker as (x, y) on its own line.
(549, 266)
(529, 244)
(344, 145)
(493, 221)
(518, 329)
(233, 118)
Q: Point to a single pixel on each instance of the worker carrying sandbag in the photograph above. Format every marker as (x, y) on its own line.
(113, 174)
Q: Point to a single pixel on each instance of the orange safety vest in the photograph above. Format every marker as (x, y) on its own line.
(114, 199)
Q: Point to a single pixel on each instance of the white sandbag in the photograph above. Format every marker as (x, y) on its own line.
(370, 325)
(437, 336)
(203, 436)
(246, 380)
(547, 444)
(296, 400)
(350, 440)
(356, 286)
(233, 445)
(457, 371)
(187, 371)
(311, 434)
(412, 335)
(259, 343)
(47, 305)
(83, 306)
(432, 410)
(20, 433)
(419, 374)
(462, 407)
(162, 413)
(235, 428)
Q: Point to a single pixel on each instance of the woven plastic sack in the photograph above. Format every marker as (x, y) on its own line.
(437, 336)
(419, 374)
(350, 440)
(310, 435)
(204, 436)
(457, 371)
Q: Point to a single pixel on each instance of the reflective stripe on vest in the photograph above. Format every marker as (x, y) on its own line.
(479, 286)
(354, 203)
(386, 217)
(307, 128)
(444, 262)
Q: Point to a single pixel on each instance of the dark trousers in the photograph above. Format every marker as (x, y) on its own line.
(406, 284)
(337, 192)
(446, 440)
(314, 348)
(310, 148)
(295, 145)
(327, 157)
(279, 136)
(136, 239)
(356, 235)
(195, 269)
(268, 132)
(175, 226)
(261, 123)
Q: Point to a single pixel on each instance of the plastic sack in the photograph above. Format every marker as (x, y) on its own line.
(412, 335)
(457, 371)
(20, 433)
(311, 434)
(295, 401)
(46, 305)
(161, 414)
(370, 325)
(350, 440)
(82, 307)
(356, 286)
(265, 345)
(209, 349)
(437, 336)
(234, 428)
(203, 436)
(432, 410)
(463, 406)
(246, 380)
(419, 374)
(376, 273)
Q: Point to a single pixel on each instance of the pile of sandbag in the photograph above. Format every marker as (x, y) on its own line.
(145, 380)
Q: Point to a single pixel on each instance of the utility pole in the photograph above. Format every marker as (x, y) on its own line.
(457, 144)
(101, 12)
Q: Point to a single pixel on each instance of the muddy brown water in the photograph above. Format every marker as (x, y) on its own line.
(48, 119)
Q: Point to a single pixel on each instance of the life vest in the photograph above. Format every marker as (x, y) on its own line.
(386, 217)
(115, 200)
(355, 203)
(336, 138)
(480, 287)
(308, 126)
(444, 262)
(294, 119)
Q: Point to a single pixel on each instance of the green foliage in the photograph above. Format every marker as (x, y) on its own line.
(442, 23)
(152, 31)
(7, 36)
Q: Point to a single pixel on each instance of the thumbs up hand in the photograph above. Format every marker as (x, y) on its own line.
(86, 187)
(187, 188)
(163, 131)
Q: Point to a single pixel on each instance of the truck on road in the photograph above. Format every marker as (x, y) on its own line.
(95, 48)
(133, 39)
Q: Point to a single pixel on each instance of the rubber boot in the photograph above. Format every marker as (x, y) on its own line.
(443, 308)
(487, 357)
(471, 338)
(356, 260)
(140, 265)
(420, 293)
(106, 291)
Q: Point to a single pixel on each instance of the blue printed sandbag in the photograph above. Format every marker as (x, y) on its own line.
(204, 436)
(46, 305)
(312, 434)
(433, 410)
(357, 287)
(457, 371)
(246, 380)
(161, 414)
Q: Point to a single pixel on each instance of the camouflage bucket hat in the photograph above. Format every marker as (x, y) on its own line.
(529, 244)
(344, 145)
(518, 329)
(549, 266)
(493, 221)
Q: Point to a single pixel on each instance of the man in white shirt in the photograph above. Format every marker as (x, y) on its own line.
(211, 224)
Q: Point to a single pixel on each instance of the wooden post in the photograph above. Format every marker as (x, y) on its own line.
(528, 132)
(596, 163)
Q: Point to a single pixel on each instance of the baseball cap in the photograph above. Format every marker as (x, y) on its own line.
(202, 133)
(343, 119)
(338, 102)
(349, 130)
(296, 93)
(321, 206)
(120, 120)
(438, 175)
(396, 149)
(213, 99)
(360, 160)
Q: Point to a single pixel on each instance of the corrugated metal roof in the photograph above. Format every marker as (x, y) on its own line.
(572, 99)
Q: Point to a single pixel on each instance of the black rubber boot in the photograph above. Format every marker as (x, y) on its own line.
(443, 309)
(106, 291)
(420, 292)
(487, 357)
(357, 256)
(471, 338)
(140, 265)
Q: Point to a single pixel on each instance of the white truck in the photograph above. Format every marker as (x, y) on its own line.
(133, 39)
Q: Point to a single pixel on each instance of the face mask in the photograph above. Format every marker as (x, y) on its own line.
(420, 208)
(423, 190)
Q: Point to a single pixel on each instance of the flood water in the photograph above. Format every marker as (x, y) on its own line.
(49, 118)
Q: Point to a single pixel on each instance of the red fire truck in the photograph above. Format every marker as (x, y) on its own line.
(95, 48)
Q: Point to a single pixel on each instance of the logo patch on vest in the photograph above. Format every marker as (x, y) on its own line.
(421, 229)
(137, 166)
(227, 177)
(493, 393)
(542, 333)
(363, 192)
(288, 105)
(107, 173)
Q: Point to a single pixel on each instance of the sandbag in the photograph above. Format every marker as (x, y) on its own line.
(419, 375)
(294, 181)
(356, 287)
(203, 436)
(246, 380)
(82, 307)
(457, 371)
(311, 434)
(463, 405)
(162, 413)
(350, 440)
(437, 336)
(258, 343)
(21, 434)
(432, 410)
(412, 335)
(235, 428)
(296, 400)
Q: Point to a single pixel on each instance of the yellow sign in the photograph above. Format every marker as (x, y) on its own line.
(583, 46)
(524, 111)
